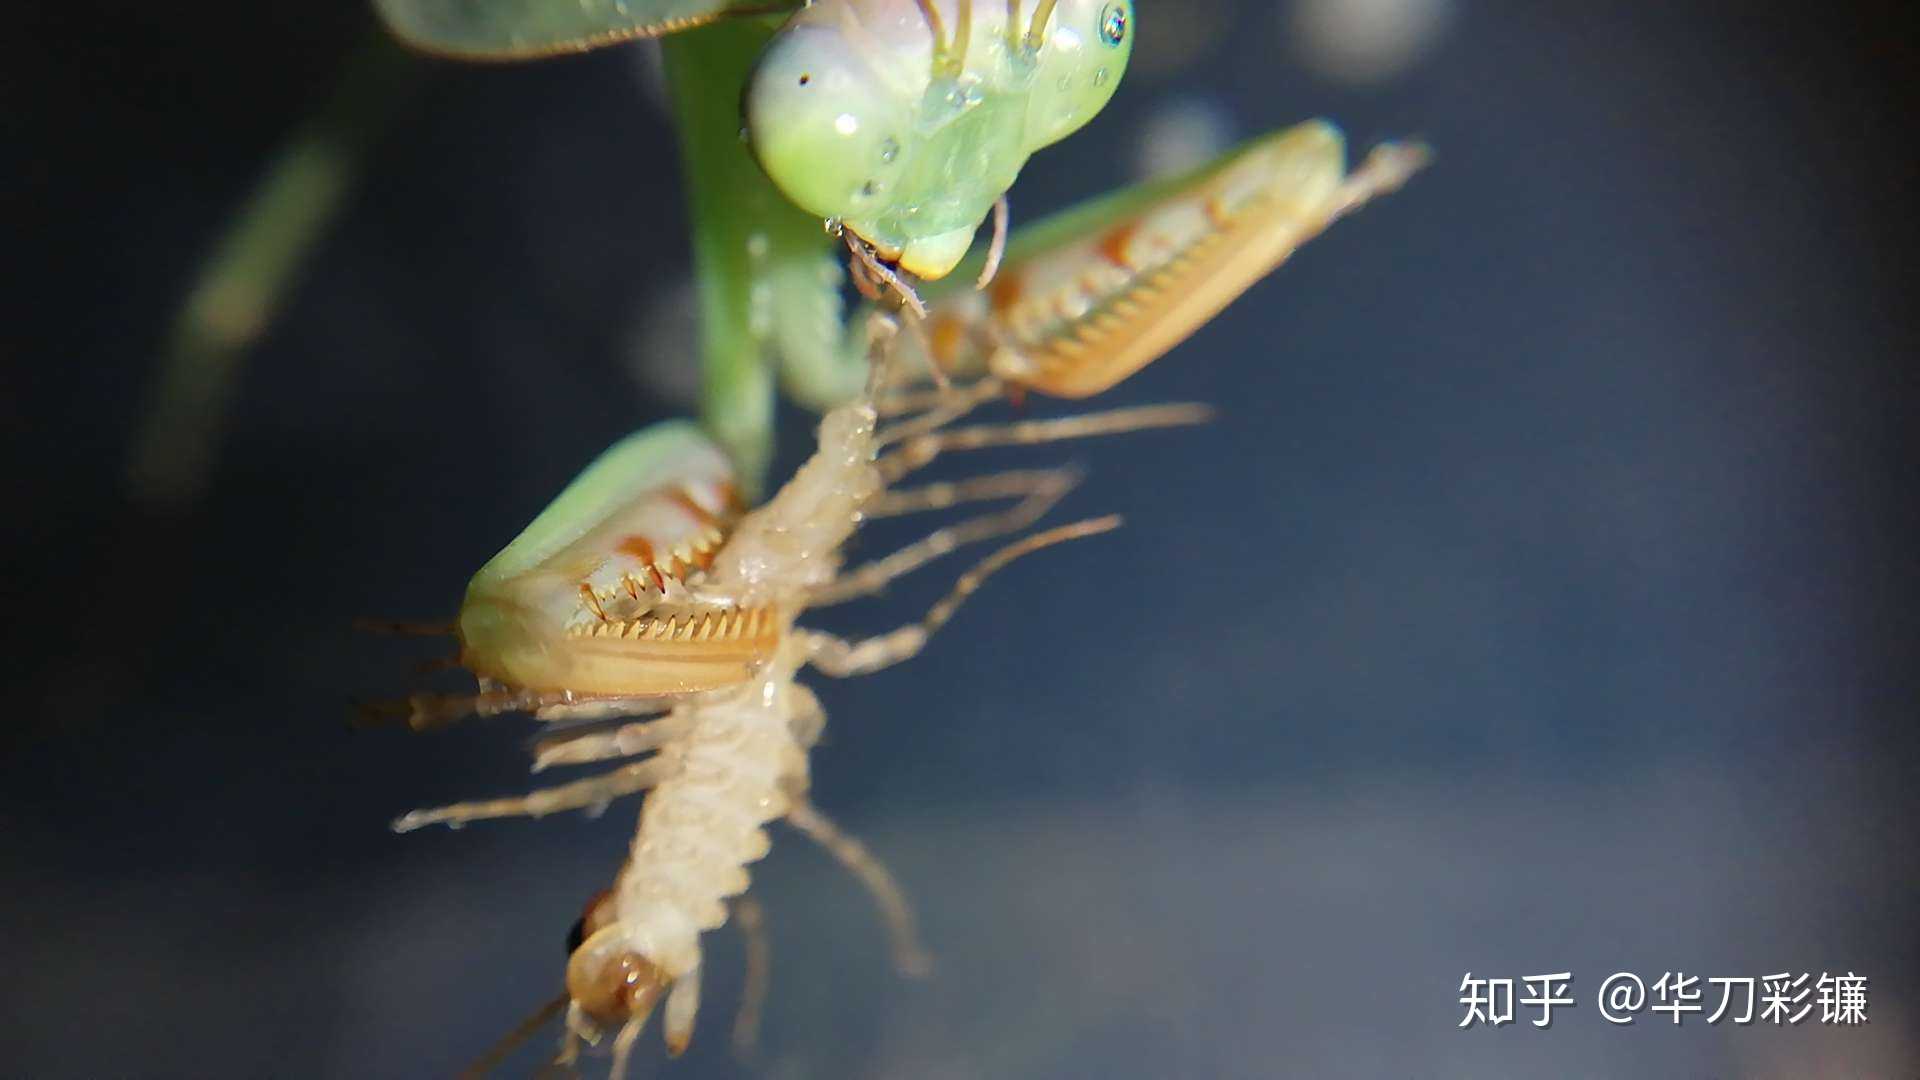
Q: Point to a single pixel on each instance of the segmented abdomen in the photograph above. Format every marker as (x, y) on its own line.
(699, 829)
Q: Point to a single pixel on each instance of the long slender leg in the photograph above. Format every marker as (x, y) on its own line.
(593, 791)
(840, 658)
(948, 406)
(901, 402)
(624, 741)
(919, 451)
(909, 955)
(1042, 491)
(947, 494)
(751, 918)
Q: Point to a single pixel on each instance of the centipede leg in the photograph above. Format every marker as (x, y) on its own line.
(1038, 492)
(595, 791)
(627, 740)
(841, 658)
(947, 406)
(910, 957)
(918, 452)
(751, 918)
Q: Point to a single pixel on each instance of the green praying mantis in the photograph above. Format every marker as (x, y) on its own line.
(650, 615)
(901, 123)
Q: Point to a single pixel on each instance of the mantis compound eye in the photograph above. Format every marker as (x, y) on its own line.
(1113, 25)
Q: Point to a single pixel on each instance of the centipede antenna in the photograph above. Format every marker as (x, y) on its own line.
(513, 1040)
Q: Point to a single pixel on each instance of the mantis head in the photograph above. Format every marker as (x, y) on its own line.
(908, 130)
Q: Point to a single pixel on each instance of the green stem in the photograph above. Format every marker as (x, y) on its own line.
(746, 238)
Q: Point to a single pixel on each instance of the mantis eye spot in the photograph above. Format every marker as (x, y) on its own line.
(1113, 24)
(805, 79)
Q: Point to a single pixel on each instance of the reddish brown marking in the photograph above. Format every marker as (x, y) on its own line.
(638, 547)
(1217, 214)
(586, 593)
(632, 589)
(1113, 246)
(730, 498)
(699, 513)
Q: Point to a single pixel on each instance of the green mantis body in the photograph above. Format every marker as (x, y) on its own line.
(945, 122)
(645, 594)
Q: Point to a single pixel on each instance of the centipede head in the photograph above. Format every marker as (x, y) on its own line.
(609, 982)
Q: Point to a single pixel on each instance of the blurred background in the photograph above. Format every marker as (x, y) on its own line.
(1541, 600)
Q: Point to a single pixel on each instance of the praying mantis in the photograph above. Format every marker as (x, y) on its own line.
(900, 123)
(650, 615)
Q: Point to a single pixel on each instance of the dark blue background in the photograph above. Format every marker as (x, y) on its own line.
(1541, 600)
